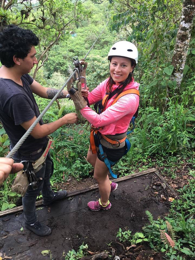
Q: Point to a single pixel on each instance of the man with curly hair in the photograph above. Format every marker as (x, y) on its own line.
(19, 110)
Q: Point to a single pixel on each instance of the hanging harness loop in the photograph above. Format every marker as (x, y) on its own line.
(93, 132)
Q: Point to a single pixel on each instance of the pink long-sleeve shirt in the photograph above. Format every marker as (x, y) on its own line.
(116, 118)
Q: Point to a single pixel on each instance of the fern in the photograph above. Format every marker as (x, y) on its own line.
(150, 217)
(166, 239)
(170, 230)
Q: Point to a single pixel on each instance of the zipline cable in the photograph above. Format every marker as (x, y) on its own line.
(95, 41)
(23, 138)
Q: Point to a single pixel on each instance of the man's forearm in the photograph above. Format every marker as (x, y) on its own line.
(52, 92)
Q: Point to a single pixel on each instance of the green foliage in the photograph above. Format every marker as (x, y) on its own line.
(98, 69)
(158, 134)
(186, 204)
(126, 236)
(123, 236)
(69, 150)
(153, 30)
(181, 219)
(4, 142)
(73, 255)
(179, 224)
(7, 198)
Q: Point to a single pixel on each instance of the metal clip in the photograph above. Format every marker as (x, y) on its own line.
(29, 170)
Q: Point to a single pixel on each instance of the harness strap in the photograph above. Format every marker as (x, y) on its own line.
(106, 161)
(116, 142)
(109, 163)
(128, 91)
(93, 132)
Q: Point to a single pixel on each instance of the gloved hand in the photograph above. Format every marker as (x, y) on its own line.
(76, 96)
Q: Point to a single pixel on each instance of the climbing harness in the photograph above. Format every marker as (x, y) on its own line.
(100, 107)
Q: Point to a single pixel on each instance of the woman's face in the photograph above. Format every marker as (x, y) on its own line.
(120, 68)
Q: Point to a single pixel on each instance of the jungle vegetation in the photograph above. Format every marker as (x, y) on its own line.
(164, 33)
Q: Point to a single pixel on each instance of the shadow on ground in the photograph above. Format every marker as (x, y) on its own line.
(73, 224)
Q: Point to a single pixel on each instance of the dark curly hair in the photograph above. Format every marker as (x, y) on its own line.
(15, 41)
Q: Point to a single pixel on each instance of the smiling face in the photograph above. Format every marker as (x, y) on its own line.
(120, 68)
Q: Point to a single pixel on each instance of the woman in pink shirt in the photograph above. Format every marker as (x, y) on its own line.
(109, 128)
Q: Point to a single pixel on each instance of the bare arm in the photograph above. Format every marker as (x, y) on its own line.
(44, 92)
(41, 131)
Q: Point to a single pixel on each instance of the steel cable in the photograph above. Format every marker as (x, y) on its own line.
(23, 138)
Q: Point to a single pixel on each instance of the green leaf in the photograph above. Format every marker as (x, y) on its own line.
(187, 251)
(2, 131)
(141, 235)
(186, 68)
(6, 205)
(138, 241)
(169, 70)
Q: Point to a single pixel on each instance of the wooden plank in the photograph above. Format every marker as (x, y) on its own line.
(77, 192)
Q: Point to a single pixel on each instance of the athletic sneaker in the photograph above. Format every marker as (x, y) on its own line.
(95, 206)
(114, 186)
(39, 229)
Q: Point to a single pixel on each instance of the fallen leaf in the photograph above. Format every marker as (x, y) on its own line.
(45, 252)
(91, 253)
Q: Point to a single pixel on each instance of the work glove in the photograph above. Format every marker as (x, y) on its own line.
(76, 96)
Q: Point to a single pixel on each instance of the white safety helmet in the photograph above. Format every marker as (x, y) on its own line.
(124, 49)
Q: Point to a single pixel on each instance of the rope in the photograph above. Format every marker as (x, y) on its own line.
(23, 138)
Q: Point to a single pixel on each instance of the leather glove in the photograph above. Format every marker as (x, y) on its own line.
(76, 96)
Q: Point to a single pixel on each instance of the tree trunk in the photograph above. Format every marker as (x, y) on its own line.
(182, 41)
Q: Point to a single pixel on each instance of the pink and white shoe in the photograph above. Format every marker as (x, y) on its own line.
(95, 206)
(114, 186)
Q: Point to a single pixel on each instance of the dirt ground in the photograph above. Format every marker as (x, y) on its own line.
(73, 224)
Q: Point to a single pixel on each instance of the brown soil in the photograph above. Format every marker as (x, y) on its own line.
(73, 224)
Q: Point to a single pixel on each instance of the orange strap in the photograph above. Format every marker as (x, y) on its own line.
(92, 140)
(128, 91)
(114, 141)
